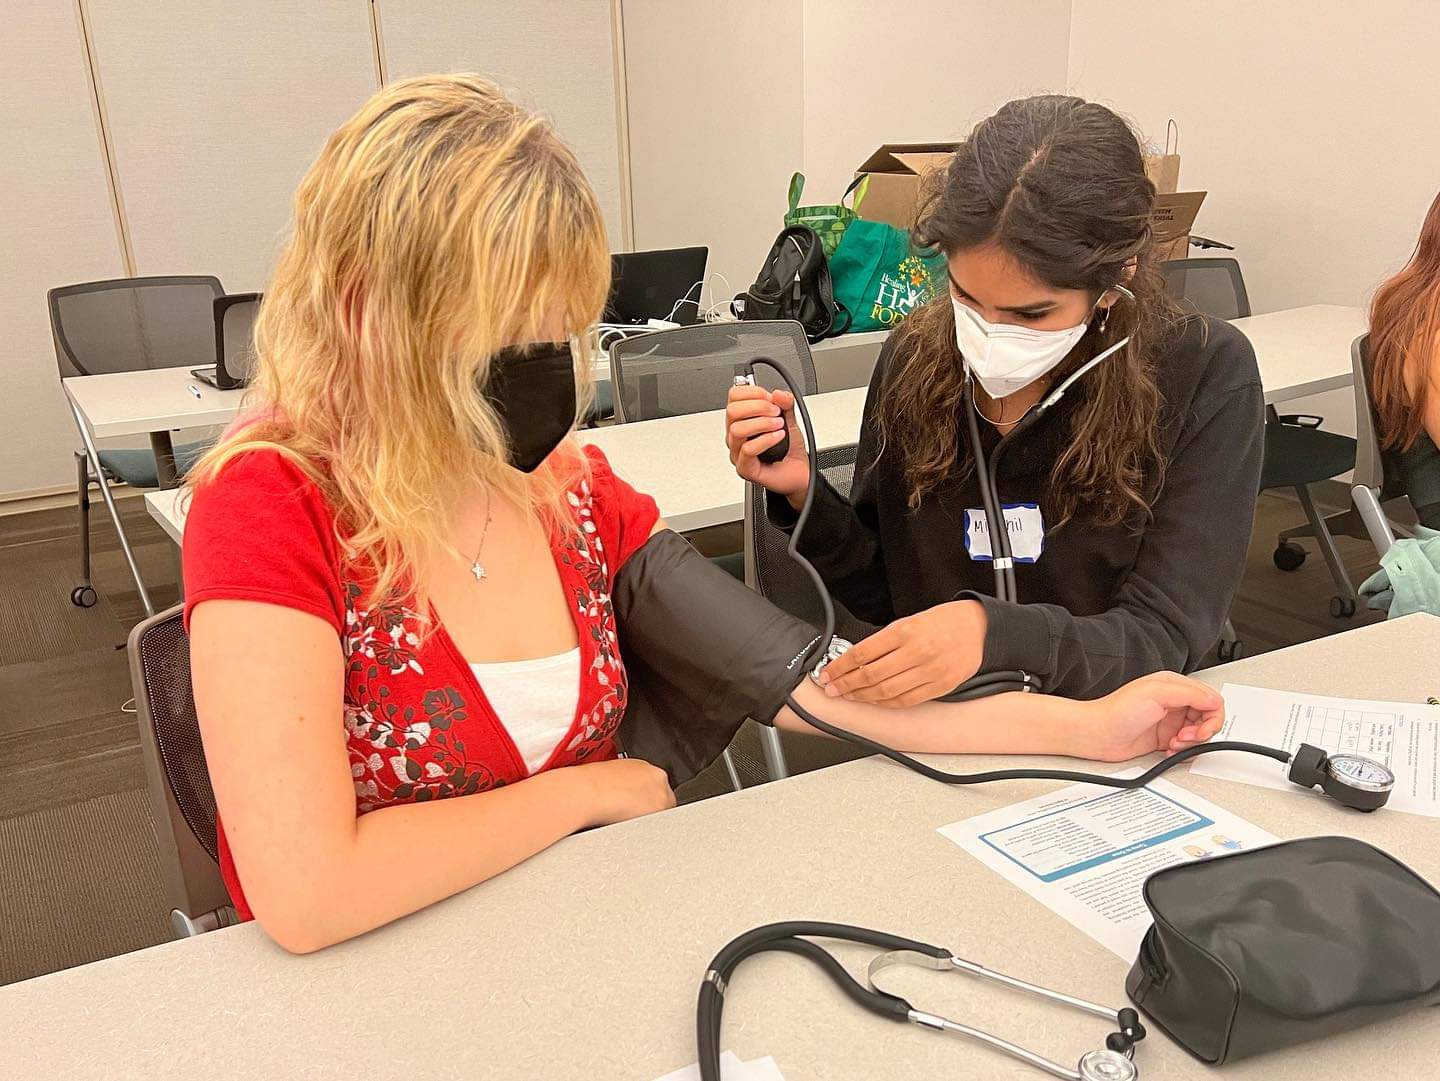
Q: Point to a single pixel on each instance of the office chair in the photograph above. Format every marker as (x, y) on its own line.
(1210, 286)
(690, 369)
(126, 325)
(182, 803)
(1297, 453)
(771, 572)
(1377, 489)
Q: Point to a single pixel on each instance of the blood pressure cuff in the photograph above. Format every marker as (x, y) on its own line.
(1272, 947)
(702, 652)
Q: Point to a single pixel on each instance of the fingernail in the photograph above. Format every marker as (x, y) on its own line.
(832, 690)
(778, 423)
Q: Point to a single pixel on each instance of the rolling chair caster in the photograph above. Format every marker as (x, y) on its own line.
(1288, 556)
(1342, 607)
(1229, 651)
(83, 596)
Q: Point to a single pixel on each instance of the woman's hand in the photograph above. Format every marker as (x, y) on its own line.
(913, 660)
(624, 788)
(1163, 711)
(766, 415)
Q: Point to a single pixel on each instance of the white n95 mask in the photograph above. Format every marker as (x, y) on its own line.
(1003, 358)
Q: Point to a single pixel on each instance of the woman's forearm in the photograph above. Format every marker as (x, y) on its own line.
(1012, 723)
(378, 872)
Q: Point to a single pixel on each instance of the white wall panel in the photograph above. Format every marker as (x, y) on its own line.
(1314, 133)
(216, 108)
(554, 55)
(716, 125)
(927, 70)
(57, 229)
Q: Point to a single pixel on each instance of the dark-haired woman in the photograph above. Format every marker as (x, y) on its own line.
(1130, 501)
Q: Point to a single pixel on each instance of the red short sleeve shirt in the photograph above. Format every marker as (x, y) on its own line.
(417, 722)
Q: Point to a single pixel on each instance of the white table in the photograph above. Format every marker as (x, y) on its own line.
(1304, 351)
(162, 399)
(583, 963)
(680, 461)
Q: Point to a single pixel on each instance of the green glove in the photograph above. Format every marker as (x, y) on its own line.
(1408, 580)
(1377, 592)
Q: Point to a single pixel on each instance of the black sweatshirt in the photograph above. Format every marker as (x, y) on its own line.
(1102, 604)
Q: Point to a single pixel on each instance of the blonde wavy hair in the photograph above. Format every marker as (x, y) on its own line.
(440, 224)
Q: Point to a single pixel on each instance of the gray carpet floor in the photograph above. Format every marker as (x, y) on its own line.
(79, 870)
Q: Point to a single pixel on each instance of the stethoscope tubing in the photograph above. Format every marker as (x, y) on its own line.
(982, 686)
(795, 936)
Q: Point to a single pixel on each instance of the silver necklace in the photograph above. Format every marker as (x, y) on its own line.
(1044, 382)
(476, 567)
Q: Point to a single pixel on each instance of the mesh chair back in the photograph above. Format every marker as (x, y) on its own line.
(234, 316)
(768, 567)
(690, 369)
(1210, 286)
(130, 324)
(181, 799)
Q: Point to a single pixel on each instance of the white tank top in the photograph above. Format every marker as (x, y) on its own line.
(535, 701)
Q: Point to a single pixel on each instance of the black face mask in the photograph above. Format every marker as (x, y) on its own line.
(532, 388)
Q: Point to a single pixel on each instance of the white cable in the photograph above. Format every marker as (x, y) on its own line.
(719, 310)
(685, 299)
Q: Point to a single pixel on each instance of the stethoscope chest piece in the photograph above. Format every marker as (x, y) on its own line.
(1106, 1065)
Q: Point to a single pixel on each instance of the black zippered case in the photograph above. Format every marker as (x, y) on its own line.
(1276, 946)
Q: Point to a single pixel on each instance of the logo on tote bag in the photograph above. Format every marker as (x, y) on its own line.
(901, 292)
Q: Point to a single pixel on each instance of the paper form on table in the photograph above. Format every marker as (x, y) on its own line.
(1402, 735)
(1085, 851)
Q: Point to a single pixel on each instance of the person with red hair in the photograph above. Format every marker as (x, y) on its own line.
(1405, 370)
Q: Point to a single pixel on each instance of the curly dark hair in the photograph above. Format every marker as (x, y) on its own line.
(1059, 183)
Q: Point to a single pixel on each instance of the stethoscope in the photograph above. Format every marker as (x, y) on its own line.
(1352, 780)
(1113, 1062)
(1001, 554)
(986, 472)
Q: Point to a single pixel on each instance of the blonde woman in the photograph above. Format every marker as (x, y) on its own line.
(399, 569)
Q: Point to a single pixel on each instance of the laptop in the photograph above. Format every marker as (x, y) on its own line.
(234, 342)
(662, 284)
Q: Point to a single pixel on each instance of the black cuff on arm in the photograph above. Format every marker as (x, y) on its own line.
(781, 514)
(1017, 638)
(702, 652)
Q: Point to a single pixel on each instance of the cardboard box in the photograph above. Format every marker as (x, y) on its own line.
(895, 172)
(1174, 215)
(896, 169)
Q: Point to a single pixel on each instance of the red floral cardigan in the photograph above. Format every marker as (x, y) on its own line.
(417, 722)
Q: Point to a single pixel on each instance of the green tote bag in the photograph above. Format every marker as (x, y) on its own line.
(829, 220)
(879, 277)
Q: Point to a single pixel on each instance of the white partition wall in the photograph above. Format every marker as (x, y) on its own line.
(215, 109)
(716, 126)
(925, 71)
(555, 55)
(57, 228)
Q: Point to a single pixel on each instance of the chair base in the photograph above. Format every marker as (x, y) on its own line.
(1289, 556)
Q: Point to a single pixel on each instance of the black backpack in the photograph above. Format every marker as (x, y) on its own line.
(795, 284)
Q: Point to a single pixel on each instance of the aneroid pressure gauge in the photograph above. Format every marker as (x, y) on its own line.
(1351, 779)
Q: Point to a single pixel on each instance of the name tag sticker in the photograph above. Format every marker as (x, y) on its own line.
(1027, 532)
